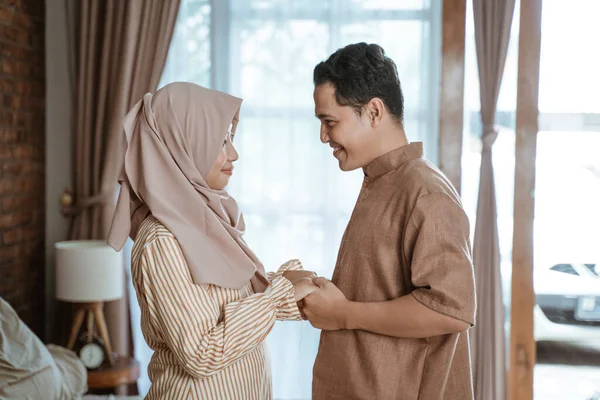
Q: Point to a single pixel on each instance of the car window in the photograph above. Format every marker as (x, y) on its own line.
(593, 268)
(566, 268)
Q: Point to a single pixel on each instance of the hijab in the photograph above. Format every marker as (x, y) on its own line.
(172, 140)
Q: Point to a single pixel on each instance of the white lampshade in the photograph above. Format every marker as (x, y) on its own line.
(88, 271)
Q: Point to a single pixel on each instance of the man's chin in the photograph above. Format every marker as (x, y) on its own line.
(347, 167)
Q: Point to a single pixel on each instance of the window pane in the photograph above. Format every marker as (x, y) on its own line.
(566, 238)
(395, 4)
(284, 237)
(567, 188)
(569, 59)
(189, 53)
(249, 9)
(342, 9)
(277, 61)
(266, 177)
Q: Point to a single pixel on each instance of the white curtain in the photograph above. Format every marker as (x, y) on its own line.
(295, 199)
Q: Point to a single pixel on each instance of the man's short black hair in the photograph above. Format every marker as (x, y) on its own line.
(360, 72)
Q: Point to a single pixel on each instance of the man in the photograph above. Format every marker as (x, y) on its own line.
(395, 314)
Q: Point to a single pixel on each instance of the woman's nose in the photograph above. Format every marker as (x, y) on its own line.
(232, 154)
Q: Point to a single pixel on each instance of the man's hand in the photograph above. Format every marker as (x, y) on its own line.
(303, 287)
(326, 307)
(294, 275)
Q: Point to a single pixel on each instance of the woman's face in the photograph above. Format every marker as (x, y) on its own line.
(222, 169)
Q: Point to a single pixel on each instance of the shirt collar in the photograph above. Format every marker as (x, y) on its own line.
(393, 160)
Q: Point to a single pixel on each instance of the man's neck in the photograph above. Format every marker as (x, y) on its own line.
(392, 138)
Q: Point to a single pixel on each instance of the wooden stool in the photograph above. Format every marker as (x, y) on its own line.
(124, 371)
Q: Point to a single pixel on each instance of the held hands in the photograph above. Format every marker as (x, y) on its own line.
(319, 300)
(325, 307)
(302, 281)
(302, 288)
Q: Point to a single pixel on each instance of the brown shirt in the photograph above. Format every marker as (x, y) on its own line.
(408, 235)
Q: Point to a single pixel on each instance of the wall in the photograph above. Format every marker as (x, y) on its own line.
(22, 159)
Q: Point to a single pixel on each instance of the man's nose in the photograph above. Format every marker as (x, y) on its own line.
(324, 135)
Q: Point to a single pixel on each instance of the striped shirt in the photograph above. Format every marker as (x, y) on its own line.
(208, 341)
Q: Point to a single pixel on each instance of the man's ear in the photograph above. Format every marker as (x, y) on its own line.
(375, 109)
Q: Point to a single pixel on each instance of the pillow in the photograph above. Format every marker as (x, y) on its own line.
(28, 369)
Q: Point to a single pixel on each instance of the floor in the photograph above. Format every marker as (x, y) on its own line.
(567, 371)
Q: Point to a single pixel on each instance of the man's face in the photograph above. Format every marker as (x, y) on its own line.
(348, 134)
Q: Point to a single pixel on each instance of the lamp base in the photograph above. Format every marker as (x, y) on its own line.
(95, 313)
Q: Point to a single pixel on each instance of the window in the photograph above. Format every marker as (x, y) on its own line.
(567, 189)
(567, 166)
(568, 72)
(295, 200)
(566, 101)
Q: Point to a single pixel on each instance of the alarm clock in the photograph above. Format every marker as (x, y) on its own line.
(92, 354)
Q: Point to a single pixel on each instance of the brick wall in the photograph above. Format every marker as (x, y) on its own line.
(22, 136)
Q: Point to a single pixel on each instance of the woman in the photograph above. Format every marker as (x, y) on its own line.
(207, 304)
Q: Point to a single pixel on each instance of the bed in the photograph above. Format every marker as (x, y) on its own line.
(30, 369)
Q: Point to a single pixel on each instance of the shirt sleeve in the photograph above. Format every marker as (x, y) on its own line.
(440, 256)
(204, 337)
(288, 309)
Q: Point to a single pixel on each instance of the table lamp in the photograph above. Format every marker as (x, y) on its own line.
(89, 273)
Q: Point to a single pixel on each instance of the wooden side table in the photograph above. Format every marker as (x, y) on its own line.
(124, 371)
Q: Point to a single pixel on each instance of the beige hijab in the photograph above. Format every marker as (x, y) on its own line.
(173, 139)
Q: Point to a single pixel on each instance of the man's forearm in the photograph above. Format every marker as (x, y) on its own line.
(404, 317)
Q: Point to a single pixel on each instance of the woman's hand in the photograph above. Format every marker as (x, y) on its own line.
(303, 287)
(294, 275)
